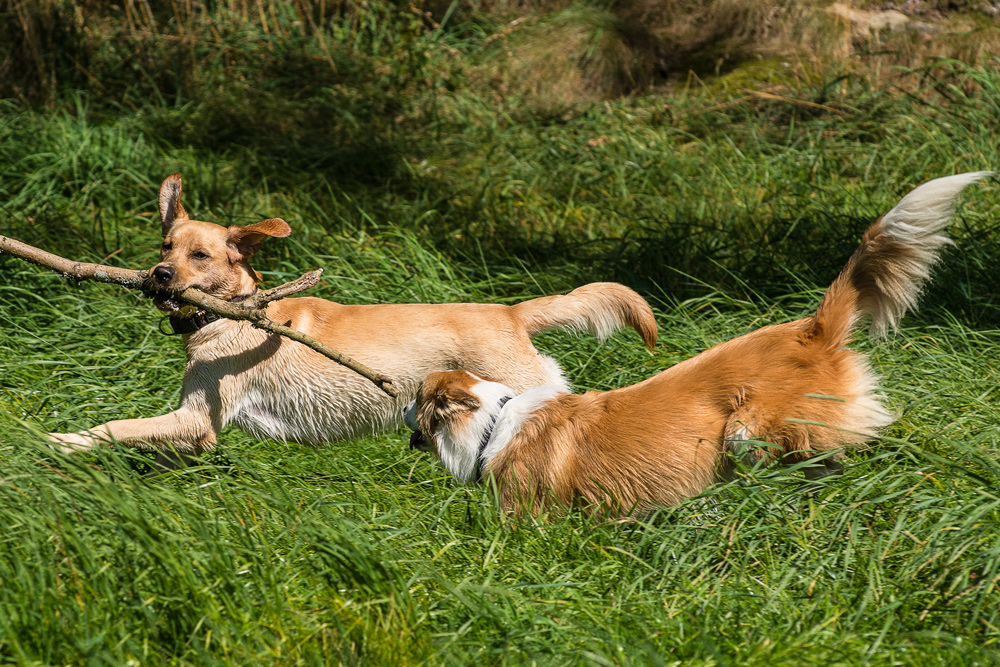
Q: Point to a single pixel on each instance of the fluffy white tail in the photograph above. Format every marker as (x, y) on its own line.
(885, 275)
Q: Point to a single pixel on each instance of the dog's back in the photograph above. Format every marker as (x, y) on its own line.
(787, 391)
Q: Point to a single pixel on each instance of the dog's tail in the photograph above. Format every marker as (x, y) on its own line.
(884, 276)
(598, 308)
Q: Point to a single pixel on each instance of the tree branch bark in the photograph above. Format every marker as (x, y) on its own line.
(251, 309)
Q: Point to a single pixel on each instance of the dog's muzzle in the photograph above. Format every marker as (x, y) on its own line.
(410, 415)
(419, 442)
(161, 276)
(417, 439)
(168, 303)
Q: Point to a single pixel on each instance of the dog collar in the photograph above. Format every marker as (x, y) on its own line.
(187, 325)
(487, 434)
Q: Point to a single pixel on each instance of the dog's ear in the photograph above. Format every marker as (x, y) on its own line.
(451, 397)
(170, 202)
(243, 242)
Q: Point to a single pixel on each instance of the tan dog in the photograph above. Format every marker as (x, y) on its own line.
(274, 387)
(788, 392)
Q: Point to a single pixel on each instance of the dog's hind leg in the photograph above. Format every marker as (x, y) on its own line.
(748, 440)
(745, 435)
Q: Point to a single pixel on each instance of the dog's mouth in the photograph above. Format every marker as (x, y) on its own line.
(171, 305)
(167, 303)
(418, 441)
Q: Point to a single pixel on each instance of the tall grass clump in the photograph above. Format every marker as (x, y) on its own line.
(315, 85)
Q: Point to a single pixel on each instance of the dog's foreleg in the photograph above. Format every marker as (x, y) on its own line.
(185, 430)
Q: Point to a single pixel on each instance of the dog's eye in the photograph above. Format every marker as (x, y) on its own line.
(167, 246)
(199, 255)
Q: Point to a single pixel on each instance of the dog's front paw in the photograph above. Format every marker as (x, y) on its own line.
(71, 443)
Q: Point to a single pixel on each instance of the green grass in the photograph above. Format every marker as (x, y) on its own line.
(367, 552)
(727, 211)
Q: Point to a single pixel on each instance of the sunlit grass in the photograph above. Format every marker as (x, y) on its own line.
(364, 550)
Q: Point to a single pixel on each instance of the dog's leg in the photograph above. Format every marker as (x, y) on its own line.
(791, 443)
(747, 439)
(741, 436)
(185, 430)
(800, 445)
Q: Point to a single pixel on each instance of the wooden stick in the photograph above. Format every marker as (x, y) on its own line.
(70, 269)
(251, 309)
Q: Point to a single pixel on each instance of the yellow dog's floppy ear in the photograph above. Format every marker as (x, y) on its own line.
(170, 202)
(243, 242)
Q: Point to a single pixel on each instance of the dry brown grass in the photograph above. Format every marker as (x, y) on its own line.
(556, 58)
(557, 54)
(48, 45)
(575, 55)
(552, 54)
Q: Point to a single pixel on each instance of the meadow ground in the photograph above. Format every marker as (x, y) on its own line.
(728, 210)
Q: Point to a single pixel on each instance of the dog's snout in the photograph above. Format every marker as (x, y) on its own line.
(163, 274)
(410, 415)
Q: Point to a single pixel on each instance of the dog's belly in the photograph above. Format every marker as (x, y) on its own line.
(315, 417)
(276, 389)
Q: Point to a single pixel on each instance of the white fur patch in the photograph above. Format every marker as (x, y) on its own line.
(866, 414)
(556, 376)
(458, 440)
(514, 414)
(410, 416)
(917, 222)
(928, 209)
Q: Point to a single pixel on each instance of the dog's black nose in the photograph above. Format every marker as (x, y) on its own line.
(163, 274)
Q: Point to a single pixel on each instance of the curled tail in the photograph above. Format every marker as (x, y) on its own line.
(598, 308)
(885, 275)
